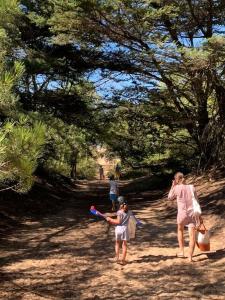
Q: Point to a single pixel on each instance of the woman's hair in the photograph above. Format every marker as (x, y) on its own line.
(179, 177)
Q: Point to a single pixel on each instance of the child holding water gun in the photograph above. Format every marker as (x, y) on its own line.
(123, 229)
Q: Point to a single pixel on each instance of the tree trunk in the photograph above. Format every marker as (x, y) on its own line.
(220, 97)
(73, 172)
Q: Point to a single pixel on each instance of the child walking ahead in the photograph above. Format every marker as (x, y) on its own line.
(114, 191)
(122, 232)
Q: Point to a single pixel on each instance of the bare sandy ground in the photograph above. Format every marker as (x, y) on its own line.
(68, 255)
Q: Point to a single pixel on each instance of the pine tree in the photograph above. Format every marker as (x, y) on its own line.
(21, 142)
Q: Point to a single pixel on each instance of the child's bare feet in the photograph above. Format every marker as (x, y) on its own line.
(180, 255)
(114, 260)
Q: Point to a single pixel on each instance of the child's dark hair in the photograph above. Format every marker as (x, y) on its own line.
(124, 205)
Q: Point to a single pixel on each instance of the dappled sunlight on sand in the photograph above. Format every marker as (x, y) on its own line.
(68, 255)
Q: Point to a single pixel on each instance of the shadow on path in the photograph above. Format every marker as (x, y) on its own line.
(66, 253)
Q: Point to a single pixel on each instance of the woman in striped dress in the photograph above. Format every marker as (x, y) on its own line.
(185, 215)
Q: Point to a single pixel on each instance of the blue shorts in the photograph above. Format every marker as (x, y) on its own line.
(113, 197)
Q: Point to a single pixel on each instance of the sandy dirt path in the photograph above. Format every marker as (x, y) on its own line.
(68, 255)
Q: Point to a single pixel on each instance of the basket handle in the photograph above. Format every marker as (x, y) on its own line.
(201, 224)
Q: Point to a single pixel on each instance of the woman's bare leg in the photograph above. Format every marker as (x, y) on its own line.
(180, 237)
(191, 231)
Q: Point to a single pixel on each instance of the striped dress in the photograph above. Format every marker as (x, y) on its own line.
(183, 195)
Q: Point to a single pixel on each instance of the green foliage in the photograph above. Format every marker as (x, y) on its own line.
(21, 143)
(42, 137)
(168, 110)
(87, 168)
(143, 138)
(173, 50)
(67, 143)
(8, 79)
(22, 146)
(10, 73)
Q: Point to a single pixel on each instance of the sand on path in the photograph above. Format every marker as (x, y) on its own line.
(68, 255)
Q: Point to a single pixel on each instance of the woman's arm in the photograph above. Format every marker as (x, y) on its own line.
(172, 194)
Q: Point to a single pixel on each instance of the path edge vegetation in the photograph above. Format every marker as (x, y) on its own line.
(145, 79)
